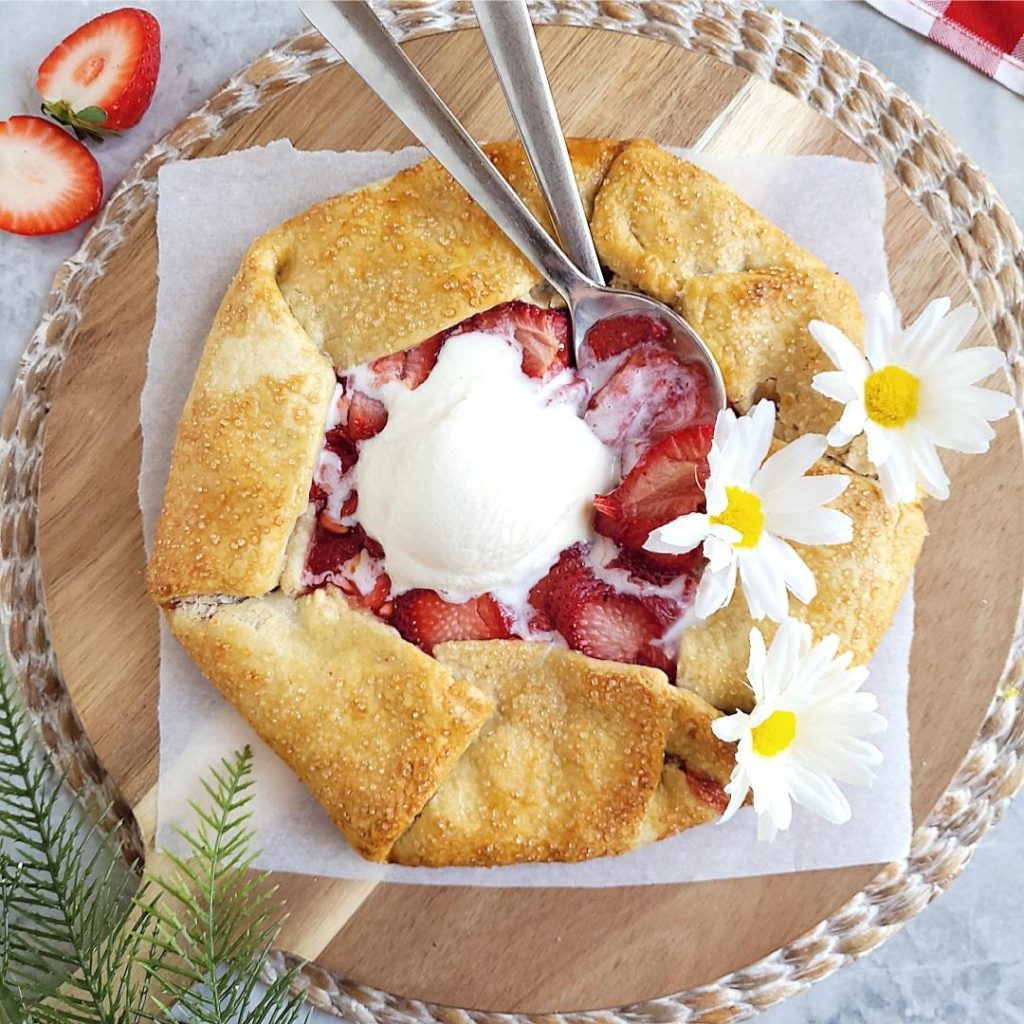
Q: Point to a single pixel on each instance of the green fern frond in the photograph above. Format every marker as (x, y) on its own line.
(77, 947)
(218, 918)
(66, 892)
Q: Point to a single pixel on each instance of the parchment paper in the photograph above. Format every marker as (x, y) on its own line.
(209, 212)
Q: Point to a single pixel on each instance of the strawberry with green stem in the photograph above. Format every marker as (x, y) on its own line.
(100, 79)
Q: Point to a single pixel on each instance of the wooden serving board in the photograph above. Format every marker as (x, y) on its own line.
(526, 949)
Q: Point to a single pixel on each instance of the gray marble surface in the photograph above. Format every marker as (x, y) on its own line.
(961, 960)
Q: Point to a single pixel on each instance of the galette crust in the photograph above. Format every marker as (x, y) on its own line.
(860, 585)
(696, 768)
(659, 220)
(562, 770)
(247, 441)
(755, 323)
(370, 723)
(406, 258)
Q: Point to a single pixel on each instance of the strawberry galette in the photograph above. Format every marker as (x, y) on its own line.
(486, 600)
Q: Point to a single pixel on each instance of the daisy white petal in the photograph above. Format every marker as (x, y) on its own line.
(958, 431)
(851, 423)
(919, 336)
(819, 794)
(798, 577)
(947, 337)
(971, 365)
(880, 443)
(806, 493)
(789, 464)
(838, 347)
(763, 587)
(714, 591)
(927, 464)
(881, 331)
(813, 526)
(680, 535)
(836, 385)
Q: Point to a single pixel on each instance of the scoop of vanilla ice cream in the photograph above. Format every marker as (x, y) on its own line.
(476, 483)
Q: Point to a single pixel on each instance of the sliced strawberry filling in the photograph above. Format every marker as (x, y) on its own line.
(618, 603)
(651, 394)
(667, 482)
(426, 619)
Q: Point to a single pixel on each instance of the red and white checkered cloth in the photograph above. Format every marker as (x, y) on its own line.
(986, 33)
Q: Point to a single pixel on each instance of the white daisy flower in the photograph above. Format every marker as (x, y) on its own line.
(752, 511)
(806, 730)
(914, 392)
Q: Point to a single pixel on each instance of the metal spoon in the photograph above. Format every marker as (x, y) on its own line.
(356, 33)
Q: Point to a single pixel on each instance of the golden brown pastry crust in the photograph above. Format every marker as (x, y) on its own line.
(860, 585)
(697, 767)
(659, 220)
(579, 758)
(371, 724)
(410, 256)
(755, 322)
(247, 441)
(562, 770)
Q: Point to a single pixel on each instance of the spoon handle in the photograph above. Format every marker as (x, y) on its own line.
(356, 33)
(516, 57)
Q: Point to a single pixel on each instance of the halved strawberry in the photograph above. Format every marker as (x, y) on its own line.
(597, 620)
(542, 333)
(650, 395)
(101, 78)
(667, 482)
(424, 618)
(366, 416)
(615, 334)
(48, 181)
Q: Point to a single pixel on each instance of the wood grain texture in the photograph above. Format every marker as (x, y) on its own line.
(515, 950)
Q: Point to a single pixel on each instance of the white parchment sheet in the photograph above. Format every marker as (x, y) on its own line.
(209, 212)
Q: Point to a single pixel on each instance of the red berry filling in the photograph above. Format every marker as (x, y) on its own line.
(610, 599)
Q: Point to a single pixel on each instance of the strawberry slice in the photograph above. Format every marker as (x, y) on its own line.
(48, 181)
(655, 567)
(419, 361)
(543, 334)
(598, 621)
(615, 334)
(667, 482)
(650, 395)
(412, 366)
(617, 627)
(706, 789)
(424, 618)
(101, 78)
(366, 416)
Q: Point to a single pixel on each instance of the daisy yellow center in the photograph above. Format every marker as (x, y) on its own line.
(774, 734)
(891, 396)
(744, 514)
